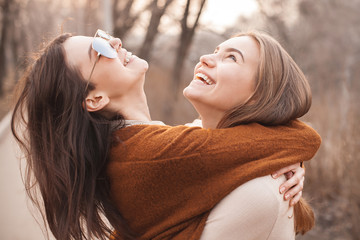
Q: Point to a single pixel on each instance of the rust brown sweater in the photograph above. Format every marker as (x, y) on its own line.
(165, 180)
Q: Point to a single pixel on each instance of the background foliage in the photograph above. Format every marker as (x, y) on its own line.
(323, 37)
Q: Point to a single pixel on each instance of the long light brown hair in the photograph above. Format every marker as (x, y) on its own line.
(282, 93)
(66, 149)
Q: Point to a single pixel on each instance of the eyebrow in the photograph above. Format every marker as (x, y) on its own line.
(234, 50)
(89, 51)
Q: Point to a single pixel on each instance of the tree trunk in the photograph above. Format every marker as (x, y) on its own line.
(15, 39)
(123, 20)
(3, 42)
(185, 40)
(153, 28)
(89, 16)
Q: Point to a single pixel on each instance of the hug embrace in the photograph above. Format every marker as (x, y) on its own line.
(99, 167)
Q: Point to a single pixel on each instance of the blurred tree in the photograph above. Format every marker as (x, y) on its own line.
(90, 16)
(324, 40)
(6, 19)
(185, 40)
(277, 14)
(11, 33)
(124, 17)
(17, 35)
(157, 11)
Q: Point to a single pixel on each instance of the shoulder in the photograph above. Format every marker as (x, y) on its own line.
(293, 128)
(181, 139)
(252, 130)
(254, 196)
(243, 140)
(249, 211)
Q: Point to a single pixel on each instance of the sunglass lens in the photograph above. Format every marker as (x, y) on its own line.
(103, 47)
(103, 34)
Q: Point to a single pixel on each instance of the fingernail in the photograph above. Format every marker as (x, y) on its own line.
(274, 175)
(287, 196)
(282, 190)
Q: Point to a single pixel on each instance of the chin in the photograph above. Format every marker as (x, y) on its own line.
(145, 65)
(192, 96)
(138, 64)
(191, 93)
(186, 93)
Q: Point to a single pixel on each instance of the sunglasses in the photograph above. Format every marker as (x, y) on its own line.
(103, 47)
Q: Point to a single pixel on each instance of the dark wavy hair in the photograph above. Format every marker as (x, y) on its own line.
(66, 149)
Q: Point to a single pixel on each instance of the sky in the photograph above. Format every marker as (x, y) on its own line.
(224, 13)
(218, 14)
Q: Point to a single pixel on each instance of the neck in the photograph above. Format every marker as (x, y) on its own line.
(209, 122)
(133, 106)
(210, 117)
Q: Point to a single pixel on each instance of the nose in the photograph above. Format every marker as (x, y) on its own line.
(116, 43)
(208, 60)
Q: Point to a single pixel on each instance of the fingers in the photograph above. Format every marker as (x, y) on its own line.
(289, 194)
(295, 199)
(294, 185)
(293, 168)
(288, 175)
(293, 178)
(297, 180)
(300, 171)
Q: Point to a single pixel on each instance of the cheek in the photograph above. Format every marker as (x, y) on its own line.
(235, 90)
(110, 77)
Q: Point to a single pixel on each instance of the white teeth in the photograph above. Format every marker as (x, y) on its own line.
(205, 78)
(127, 58)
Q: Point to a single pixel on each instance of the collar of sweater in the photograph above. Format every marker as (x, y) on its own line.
(117, 124)
(139, 122)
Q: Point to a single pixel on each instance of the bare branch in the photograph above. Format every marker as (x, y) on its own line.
(185, 40)
(153, 28)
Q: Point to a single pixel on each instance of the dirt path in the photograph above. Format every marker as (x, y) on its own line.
(16, 222)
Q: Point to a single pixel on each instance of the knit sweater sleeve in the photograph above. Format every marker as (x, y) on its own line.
(243, 143)
(164, 178)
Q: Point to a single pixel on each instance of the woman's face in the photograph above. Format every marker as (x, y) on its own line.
(226, 78)
(115, 76)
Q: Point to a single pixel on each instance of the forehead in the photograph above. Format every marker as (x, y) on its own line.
(239, 42)
(76, 50)
(247, 45)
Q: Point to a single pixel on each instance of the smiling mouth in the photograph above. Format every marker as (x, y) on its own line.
(202, 77)
(127, 58)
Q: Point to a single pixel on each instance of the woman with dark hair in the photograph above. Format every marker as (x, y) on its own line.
(91, 149)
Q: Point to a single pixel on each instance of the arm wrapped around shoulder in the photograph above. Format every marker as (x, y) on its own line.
(265, 148)
(308, 138)
(158, 165)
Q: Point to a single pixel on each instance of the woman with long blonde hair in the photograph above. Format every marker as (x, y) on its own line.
(251, 78)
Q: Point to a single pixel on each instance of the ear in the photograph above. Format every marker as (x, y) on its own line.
(96, 102)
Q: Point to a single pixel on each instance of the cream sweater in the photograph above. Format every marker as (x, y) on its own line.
(253, 211)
